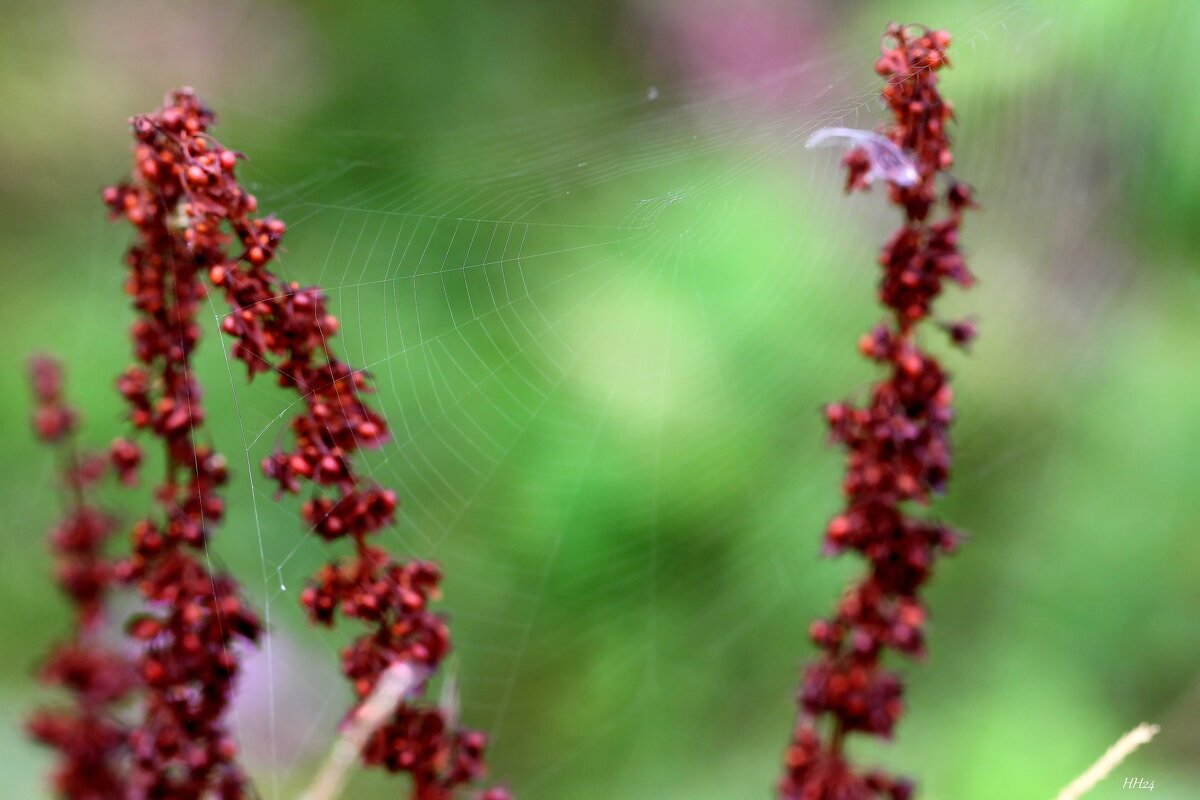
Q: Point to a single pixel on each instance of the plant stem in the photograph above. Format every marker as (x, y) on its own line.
(1108, 762)
(394, 683)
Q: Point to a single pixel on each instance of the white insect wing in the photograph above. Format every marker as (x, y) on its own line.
(887, 160)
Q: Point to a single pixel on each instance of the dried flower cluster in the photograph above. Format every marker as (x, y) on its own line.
(89, 738)
(897, 446)
(181, 746)
(194, 223)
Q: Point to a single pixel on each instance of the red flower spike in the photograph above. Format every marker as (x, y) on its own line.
(897, 448)
(91, 742)
(194, 223)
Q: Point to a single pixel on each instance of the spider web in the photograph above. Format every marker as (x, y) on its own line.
(572, 319)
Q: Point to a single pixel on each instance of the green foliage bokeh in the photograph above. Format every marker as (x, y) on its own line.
(624, 473)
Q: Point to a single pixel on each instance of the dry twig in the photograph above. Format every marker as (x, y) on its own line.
(395, 682)
(1108, 762)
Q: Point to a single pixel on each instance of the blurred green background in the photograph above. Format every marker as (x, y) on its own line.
(604, 290)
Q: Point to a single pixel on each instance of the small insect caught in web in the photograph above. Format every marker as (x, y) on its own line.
(888, 161)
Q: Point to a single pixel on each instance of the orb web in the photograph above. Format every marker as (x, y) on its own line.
(596, 331)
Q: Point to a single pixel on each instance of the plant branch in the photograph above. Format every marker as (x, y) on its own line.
(1108, 762)
(394, 683)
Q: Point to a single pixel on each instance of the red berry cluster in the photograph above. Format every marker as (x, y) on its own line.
(181, 747)
(196, 221)
(897, 448)
(90, 739)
